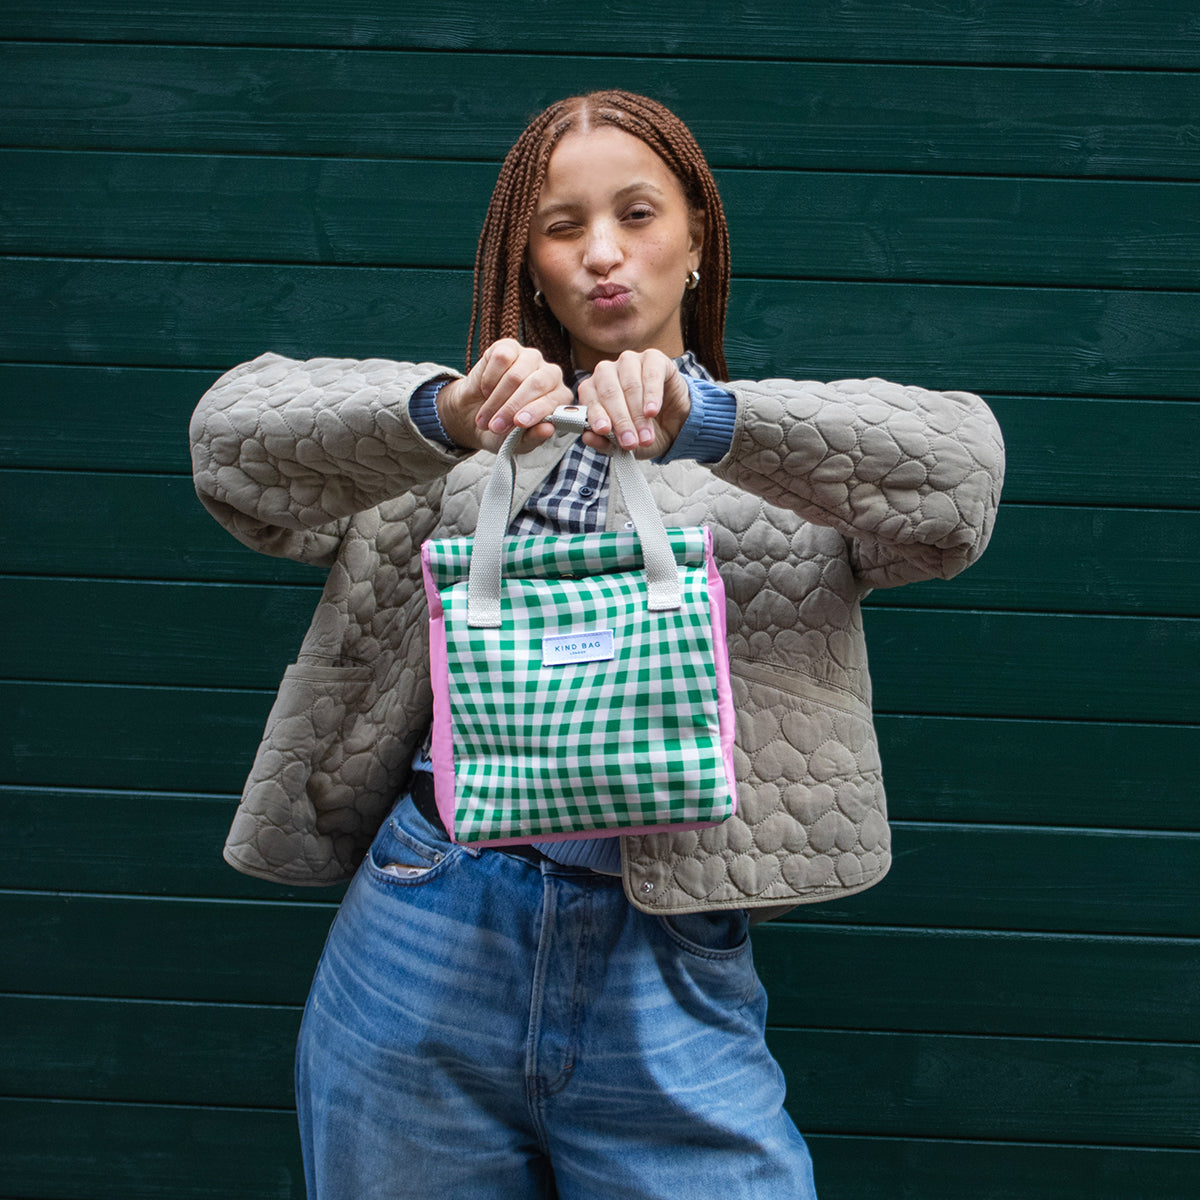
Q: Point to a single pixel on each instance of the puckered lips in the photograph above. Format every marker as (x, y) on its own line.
(608, 297)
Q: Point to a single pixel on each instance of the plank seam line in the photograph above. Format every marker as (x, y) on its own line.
(515, 52)
(835, 281)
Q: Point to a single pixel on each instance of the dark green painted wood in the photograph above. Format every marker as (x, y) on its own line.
(132, 737)
(1081, 451)
(1043, 558)
(1041, 772)
(1049, 880)
(1045, 340)
(148, 1051)
(139, 843)
(946, 120)
(1160, 33)
(98, 418)
(997, 1088)
(964, 981)
(1089, 233)
(81, 1150)
(71, 1150)
(1035, 772)
(923, 661)
(948, 981)
(966, 876)
(1099, 451)
(925, 1169)
(905, 1084)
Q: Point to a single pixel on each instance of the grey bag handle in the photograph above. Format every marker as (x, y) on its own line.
(495, 512)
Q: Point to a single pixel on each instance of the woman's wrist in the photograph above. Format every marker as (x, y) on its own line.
(459, 425)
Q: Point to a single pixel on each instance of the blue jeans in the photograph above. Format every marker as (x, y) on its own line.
(481, 1026)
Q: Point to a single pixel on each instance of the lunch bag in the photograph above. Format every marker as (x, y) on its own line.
(580, 682)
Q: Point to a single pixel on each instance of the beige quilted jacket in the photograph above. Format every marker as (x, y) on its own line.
(828, 490)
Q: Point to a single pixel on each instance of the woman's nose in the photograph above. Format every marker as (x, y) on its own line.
(602, 251)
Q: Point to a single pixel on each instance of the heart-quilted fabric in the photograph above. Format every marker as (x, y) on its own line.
(828, 490)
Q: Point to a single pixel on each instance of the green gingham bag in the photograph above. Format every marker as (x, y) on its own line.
(580, 683)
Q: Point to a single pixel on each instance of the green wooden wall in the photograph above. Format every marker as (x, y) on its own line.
(1001, 195)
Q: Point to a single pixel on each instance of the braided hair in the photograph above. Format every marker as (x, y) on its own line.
(503, 301)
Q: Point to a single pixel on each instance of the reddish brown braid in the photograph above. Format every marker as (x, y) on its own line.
(503, 301)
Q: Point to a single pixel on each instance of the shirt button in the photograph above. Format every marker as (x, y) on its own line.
(585, 490)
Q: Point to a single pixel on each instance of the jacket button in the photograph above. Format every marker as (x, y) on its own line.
(647, 888)
(585, 490)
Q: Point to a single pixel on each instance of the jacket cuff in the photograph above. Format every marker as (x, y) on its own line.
(707, 434)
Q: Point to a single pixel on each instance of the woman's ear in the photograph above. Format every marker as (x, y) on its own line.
(696, 226)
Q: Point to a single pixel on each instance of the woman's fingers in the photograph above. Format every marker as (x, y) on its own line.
(625, 397)
(518, 387)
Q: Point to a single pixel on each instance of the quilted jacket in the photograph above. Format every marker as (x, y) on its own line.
(828, 491)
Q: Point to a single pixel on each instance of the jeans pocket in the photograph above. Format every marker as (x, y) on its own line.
(398, 858)
(722, 934)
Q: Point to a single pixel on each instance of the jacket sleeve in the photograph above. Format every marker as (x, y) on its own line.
(910, 477)
(285, 452)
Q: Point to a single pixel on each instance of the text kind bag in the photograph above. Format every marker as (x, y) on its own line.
(580, 683)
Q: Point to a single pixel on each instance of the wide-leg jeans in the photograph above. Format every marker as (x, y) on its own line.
(482, 1026)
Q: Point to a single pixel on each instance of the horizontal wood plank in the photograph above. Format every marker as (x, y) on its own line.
(849, 1168)
(80, 1150)
(1079, 451)
(958, 981)
(1158, 33)
(89, 1150)
(954, 981)
(816, 224)
(1044, 558)
(942, 119)
(1066, 341)
(1011, 771)
(917, 1085)
(964, 876)
(924, 661)
(136, 843)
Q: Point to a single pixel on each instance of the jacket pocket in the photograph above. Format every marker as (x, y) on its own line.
(794, 683)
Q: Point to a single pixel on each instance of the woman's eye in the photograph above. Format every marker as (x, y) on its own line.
(640, 214)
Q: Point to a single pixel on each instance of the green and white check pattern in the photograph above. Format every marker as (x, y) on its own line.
(585, 746)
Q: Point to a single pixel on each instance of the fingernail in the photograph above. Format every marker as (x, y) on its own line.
(523, 418)
(647, 436)
(498, 425)
(628, 438)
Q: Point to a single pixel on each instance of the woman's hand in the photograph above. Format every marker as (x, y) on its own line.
(510, 385)
(640, 398)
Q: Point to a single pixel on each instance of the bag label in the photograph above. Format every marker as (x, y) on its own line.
(562, 649)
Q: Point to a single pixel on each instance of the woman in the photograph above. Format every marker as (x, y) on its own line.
(579, 1019)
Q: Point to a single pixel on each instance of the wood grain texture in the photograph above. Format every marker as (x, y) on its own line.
(1077, 451)
(952, 768)
(1154, 33)
(832, 116)
(88, 1150)
(1057, 341)
(1041, 557)
(934, 662)
(950, 981)
(907, 1084)
(963, 876)
(813, 224)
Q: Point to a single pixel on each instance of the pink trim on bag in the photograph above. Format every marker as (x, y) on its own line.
(441, 749)
(727, 720)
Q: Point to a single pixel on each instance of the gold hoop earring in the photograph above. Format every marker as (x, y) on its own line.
(693, 281)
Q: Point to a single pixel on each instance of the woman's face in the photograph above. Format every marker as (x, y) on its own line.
(611, 245)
